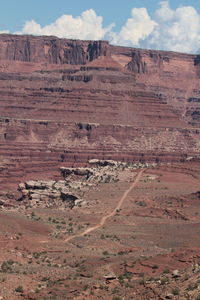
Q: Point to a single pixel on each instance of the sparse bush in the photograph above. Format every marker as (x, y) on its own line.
(141, 282)
(19, 289)
(166, 271)
(175, 292)
(6, 267)
(128, 275)
(85, 287)
(36, 255)
(155, 267)
(164, 280)
(45, 279)
(121, 252)
(117, 298)
(32, 214)
(115, 290)
(141, 203)
(192, 286)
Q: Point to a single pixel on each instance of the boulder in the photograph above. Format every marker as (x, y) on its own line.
(175, 274)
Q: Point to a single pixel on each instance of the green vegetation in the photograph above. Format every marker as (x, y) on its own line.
(6, 266)
(166, 271)
(19, 289)
(175, 292)
(164, 281)
(192, 286)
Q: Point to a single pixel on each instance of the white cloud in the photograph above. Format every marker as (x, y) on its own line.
(177, 30)
(137, 28)
(164, 13)
(4, 31)
(174, 30)
(168, 29)
(86, 26)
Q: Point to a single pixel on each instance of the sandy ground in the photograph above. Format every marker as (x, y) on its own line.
(126, 243)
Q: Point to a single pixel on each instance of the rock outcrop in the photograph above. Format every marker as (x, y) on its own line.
(64, 102)
(50, 50)
(69, 192)
(57, 194)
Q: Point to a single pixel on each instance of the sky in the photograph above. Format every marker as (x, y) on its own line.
(164, 25)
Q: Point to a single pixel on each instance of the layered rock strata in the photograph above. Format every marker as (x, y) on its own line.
(63, 102)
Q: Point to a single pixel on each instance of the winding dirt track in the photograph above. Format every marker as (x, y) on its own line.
(104, 219)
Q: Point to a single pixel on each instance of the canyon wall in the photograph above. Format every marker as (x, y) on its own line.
(63, 102)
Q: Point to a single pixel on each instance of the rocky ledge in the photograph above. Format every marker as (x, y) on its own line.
(69, 192)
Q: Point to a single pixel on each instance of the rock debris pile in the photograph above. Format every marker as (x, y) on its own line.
(69, 192)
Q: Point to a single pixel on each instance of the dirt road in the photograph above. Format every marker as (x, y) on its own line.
(104, 219)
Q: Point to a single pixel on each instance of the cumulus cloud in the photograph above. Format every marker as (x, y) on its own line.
(174, 30)
(177, 30)
(137, 28)
(86, 26)
(167, 29)
(164, 13)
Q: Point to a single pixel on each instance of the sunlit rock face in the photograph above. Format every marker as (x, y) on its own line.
(64, 102)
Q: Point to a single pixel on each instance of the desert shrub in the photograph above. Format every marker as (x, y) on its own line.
(141, 203)
(117, 298)
(36, 255)
(6, 267)
(115, 290)
(121, 252)
(175, 292)
(192, 286)
(45, 279)
(19, 289)
(155, 267)
(85, 287)
(164, 281)
(142, 282)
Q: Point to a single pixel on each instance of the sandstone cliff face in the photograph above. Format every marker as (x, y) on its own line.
(50, 50)
(66, 101)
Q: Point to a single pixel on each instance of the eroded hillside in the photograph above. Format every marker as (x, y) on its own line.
(67, 101)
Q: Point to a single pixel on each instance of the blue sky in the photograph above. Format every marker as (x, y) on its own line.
(15, 14)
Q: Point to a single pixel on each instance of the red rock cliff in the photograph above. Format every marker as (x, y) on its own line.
(66, 101)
